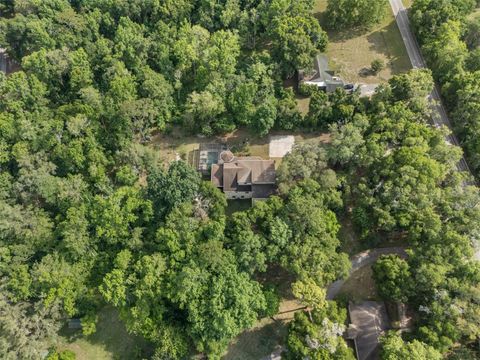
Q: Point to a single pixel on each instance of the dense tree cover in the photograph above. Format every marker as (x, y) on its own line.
(209, 66)
(394, 348)
(319, 336)
(298, 232)
(344, 14)
(336, 107)
(26, 329)
(403, 183)
(450, 44)
(88, 215)
(392, 275)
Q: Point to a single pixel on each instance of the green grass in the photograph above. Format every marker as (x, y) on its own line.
(351, 51)
(110, 342)
(474, 14)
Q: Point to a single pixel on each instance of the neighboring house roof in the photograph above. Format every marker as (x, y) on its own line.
(322, 76)
(369, 321)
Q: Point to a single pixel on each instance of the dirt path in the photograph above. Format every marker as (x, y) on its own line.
(360, 260)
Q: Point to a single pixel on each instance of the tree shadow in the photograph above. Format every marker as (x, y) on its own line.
(366, 72)
(388, 42)
(258, 343)
(348, 34)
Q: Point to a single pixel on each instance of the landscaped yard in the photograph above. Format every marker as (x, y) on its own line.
(351, 51)
(110, 342)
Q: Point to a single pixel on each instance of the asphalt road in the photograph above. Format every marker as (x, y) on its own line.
(439, 114)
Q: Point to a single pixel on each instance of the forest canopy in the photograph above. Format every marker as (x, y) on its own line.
(90, 216)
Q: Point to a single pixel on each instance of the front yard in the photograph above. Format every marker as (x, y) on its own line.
(352, 50)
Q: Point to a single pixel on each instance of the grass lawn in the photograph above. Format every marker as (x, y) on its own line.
(110, 342)
(360, 286)
(351, 51)
(258, 342)
(475, 14)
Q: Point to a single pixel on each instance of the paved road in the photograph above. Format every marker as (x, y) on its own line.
(439, 116)
(358, 261)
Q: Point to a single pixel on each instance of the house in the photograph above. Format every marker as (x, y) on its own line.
(244, 177)
(322, 76)
(369, 320)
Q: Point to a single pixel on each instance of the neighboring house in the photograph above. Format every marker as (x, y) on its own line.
(244, 177)
(369, 321)
(322, 76)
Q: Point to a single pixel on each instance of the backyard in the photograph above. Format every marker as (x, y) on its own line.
(178, 145)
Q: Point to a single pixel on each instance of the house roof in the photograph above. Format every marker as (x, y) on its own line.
(322, 76)
(321, 71)
(242, 172)
(230, 181)
(216, 175)
(262, 171)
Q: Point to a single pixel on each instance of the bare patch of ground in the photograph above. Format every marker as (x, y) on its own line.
(280, 145)
(360, 286)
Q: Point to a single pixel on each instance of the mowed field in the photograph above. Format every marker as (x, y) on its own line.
(352, 51)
